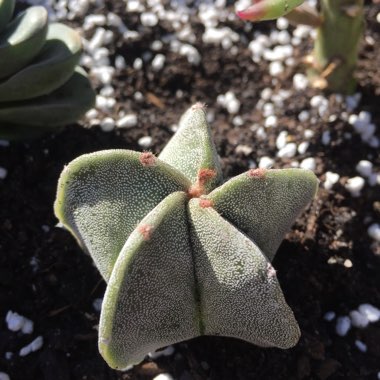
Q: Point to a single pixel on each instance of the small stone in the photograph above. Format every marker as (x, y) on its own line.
(276, 68)
(158, 62)
(364, 168)
(374, 231)
(358, 319)
(355, 185)
(331, 180)
(266, 162)
(4, 376)
(361, 346)
(271, 121)
(149, 19)
(97, 304)
(329, 316)
(35, 345)
(281, 139)
(145, 142)
(3, 173)
(371, 312)
(127, 121)
(326, 138)
(302, 148)
(300, 82)
(244, 149)
(288, 151)
(164, 376)
(343, 325)
(107, 124)
(308, 163)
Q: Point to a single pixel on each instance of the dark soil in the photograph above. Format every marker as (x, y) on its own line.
(58, 292)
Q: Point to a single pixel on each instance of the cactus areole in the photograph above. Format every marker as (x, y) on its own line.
(183, 253)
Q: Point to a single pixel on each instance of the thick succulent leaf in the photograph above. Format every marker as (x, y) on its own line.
(150, 301)
(50, 69)
(22, 39)
(6, 11)
(262, 10)
(192, 147)
(239, 292)
(265, 203)
(61, 107)
(102, 196)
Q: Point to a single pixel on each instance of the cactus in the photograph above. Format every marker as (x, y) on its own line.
(339, 24)
(183, 253)
(41, 85)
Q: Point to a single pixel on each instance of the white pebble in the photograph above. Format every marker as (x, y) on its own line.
(308, 133)
(145, 142)
(14, 321)
(326, 138)
(331, 180)
(281, 139)
(355, 185)
(237, 121)
(4, 376)
(276, 68)
(308, 163)
(163, 376)
(149, 19)
(303, 116)
(120, 63)
(35, 345)
(329, 316)
(233, 106)
(271, 121)
(358, 319)
(300, 82)
(3, 173)
(28, 326)
(266, 93)
(282, 23)
(138, 64)
(158, 62)
(97, 304)
(374, 231)
(371, 312)
(244, 149)
(107, 124)
(343, 325)
(127, 121)
(288, 151)
(302, 148)
(361, 346)
(364, 168)
(4, 143)
(168, 351)
(265, 162)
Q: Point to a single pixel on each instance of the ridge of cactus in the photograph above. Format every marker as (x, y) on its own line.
(194, 139)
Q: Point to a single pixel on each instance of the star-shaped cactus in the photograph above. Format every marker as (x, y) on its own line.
(181, 256)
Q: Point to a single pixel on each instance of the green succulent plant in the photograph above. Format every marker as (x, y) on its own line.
(41, 85)
(183, 253)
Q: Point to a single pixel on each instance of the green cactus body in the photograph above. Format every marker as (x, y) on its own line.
(41, 86)
(182, 257)
(336, 46)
